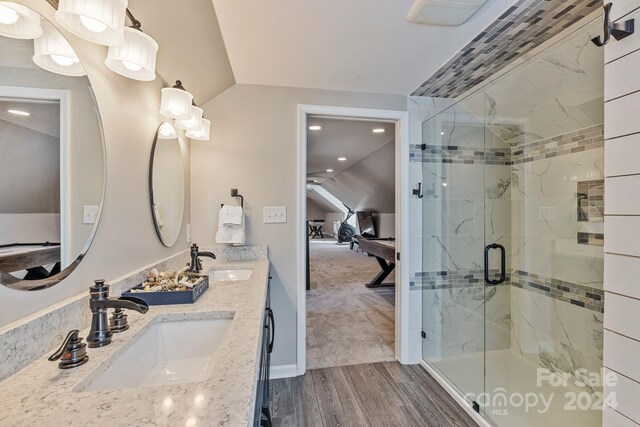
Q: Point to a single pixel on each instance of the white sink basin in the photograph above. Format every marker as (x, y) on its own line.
(230, 275)
(169, 352)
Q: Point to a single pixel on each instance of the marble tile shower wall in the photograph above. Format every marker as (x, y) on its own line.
(550, 308)
(522, 27)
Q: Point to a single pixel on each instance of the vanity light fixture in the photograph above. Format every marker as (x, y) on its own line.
(135, 58)
(98, 21)
(176, 102)
(52, 52)
(193, 122)
(378, 130)
(201, 134)
(19, 22)
(315, 127)
(167, 131)
(19, 113)
(342, 159)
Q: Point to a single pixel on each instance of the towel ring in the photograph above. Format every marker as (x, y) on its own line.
(234, 193)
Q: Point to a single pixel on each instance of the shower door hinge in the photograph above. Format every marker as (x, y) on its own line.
(423, 147)
(423, 334)
(398, 256)
(476, 406)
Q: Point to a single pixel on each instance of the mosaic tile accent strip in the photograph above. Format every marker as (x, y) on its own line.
(580, 295)
(590, 138)
(517, 31)
(457, 154)
(572, 293)
(453, 279)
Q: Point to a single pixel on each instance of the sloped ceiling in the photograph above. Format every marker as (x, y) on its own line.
(355, 45)
(368, 184)
(352, 139)
(321, 202)
(44, 118)
(191, 44)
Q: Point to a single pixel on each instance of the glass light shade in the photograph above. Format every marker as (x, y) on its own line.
(19, 22)
(193, 122)
(167, 131)
(135, 58)
(201, 134)
(52, 52)
(175, 103)
(99, 21)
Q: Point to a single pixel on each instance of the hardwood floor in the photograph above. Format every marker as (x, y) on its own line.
(376, 394)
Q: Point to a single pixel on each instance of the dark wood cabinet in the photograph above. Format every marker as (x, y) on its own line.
(262, 417)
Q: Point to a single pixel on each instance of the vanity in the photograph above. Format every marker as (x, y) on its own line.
(204, 363)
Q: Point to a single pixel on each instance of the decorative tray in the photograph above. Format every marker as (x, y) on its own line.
(181, 295)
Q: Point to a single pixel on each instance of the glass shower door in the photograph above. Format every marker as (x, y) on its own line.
(453, 229)
(512, 234)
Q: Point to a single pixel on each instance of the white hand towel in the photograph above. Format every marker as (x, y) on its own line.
(231, 216)
(233, 234)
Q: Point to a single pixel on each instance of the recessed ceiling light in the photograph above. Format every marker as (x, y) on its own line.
(441, 133)
(315, 127)
(329, 170)
(315, 180)
(19, 113)
(342, 159)
(378, 130)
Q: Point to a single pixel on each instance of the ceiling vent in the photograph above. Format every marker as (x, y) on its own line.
(443, 12)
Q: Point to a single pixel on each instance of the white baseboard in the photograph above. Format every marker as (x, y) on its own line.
(283, 371)
(479, 419)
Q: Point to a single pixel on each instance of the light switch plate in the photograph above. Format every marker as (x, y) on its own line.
(274, 214)
(89, 214)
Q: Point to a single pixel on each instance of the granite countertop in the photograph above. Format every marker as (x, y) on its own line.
(42, 394)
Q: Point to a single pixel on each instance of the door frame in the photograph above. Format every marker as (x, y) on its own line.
(62, 96)
(401, 120)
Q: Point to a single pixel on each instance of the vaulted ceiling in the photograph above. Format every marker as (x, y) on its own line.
(355, 45)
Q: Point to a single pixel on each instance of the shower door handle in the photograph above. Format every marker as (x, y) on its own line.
(503, 264)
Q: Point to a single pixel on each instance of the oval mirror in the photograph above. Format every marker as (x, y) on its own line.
(52, 159)
(166, 184)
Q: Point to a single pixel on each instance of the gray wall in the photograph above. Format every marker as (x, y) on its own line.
(368, 184)
(30, 171)
(125, 239)
(314, 211)
(253, 148)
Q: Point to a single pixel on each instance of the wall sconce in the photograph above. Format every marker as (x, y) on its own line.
(52, 52)
(176, 102)
(166, 131)
(201, 134)
(98, 21)
(19, 22)
(135, 58)
(194, 121)
(131, 54)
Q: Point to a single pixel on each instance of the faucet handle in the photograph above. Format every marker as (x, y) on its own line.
(72, 353)
(118, 321)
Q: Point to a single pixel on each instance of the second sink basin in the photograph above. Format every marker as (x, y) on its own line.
(230, 275)
(168, 352)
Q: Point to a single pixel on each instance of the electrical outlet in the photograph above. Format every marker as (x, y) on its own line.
(89, 214)
(188, 233)
(274, 214)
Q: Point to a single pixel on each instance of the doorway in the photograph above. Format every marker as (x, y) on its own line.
(338, 297)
